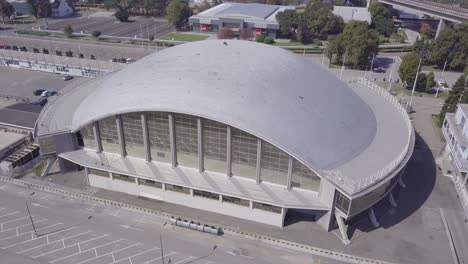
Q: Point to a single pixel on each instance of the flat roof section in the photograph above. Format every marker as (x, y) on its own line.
(191, 178)
(8, 138)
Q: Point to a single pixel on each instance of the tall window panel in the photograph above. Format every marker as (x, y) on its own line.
(214, 146)
(303, 177)
(186, 134)
(133, 135)
(109, 136)
(274, 164)
(89, 140)
(243, 154)
(158, 136)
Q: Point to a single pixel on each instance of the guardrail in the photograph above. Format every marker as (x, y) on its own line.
(356, 186)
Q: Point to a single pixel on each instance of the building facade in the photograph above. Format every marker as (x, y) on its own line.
(210, 127)
(259, 18)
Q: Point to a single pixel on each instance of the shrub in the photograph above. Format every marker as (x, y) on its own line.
(260, 38)
(268, 40)
(35, 50)
(67, 30)
(96, 33)
(92, 57)
(45, 51)
(69, 53)
(58, 53)
(317, 42)
(81, 56)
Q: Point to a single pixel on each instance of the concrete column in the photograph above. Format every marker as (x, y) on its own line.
(97, 137)
(172, 140)
(343, 229)
(372, 217)
(118, 122)
(220, 198)
(259, 158)
(290, 167)
(111, 175)
(402, 184)
(200, 146)
(228, 150)
(136, 181)
(464, 181)
(392, 200)
(87, 175)
(144, 125)
(284, 211)
(250, 205)
(191, 192)
(163, 186)
(441, 27)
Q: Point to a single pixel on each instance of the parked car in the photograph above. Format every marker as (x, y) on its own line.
(38, 92)
(68, 77)
(48, 93)
(379, 70)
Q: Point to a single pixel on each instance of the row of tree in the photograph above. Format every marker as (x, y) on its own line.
(458, 94)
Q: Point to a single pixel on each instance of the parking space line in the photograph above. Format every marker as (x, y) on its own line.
(78, 249)
(99, 247)
(35, 222)
(115, 214)
(189, 258)
(9, 214)
(144, 252)
(167, 255)
(13, 220)
(32, 238)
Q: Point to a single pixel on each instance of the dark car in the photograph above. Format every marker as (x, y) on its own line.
(38, 92)
(48, 93)
(379, 70)
(68, 77)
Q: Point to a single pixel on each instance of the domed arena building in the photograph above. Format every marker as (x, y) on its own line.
(233, 127)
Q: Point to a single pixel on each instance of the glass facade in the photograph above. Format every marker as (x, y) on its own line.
(342, 202)
(158, 136)
(89, 141)
(267, 207)
(109, 136)
(133, 135)
(235, 200)
(207, 195)
(274, 164)
(303, 177)
(186, 134)
(243, 154)
(150, 183)
(122, 177)
(99, 172)
(215, 146)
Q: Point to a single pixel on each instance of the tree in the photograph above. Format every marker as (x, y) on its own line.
(246, 34)
(225, 33)
(122, 15)
(355, 45)
(268, 40)
(288, 21)
(178, 13)
(6, 9)
(44, 10)
(422, 48)
(96, 33)
(68, 30)
(260, 38)
(425, 30)
(430, 82)
(122, 7)
(451, 45)
(383, 26)
(408, 68)
(204, 6)
(456, 95)
(379, 10)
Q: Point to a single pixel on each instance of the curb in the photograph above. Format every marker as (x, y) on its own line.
(265, 239)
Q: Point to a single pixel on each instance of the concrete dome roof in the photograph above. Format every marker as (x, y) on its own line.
(267, 91)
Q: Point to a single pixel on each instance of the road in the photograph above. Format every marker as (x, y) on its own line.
(77, 231)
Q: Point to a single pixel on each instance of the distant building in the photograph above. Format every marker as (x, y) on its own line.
(258, 17)
(60, 8)
(455, 130)
(21, 7)
(349, 13)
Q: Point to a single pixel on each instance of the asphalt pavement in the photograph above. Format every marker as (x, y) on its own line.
(69, 230)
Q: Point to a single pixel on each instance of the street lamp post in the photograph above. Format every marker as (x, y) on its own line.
(160, 241)
(414, 86)
(440, 79)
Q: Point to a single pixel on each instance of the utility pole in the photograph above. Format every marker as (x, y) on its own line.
(371, 67)
(30, 218)
(342, 65)
(414, 86)
(160, 240)
(440, 79)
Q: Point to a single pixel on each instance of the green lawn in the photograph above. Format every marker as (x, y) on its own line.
(441, 95)
(438, 127)
(290, 43)
(184, 37)
(40, 167)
